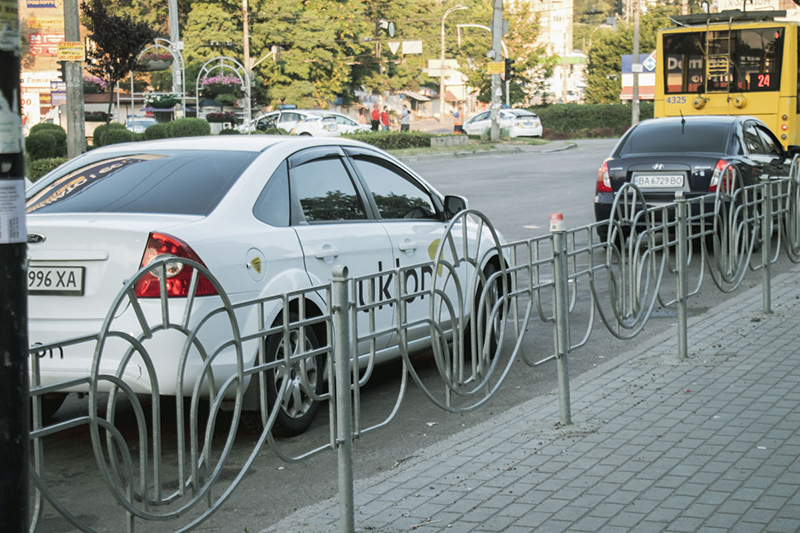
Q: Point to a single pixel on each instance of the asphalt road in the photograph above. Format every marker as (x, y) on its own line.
(518, 193)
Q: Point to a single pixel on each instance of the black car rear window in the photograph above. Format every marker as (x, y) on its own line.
(677, 137)
(180, 183)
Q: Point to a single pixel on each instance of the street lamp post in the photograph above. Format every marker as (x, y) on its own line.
(441, 66)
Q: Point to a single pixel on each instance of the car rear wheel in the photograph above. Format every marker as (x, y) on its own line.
(302, 378)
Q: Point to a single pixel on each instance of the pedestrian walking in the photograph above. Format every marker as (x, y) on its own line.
(385, 119)
(376, 117)
(458, 121)
(405, 119)
(362, 116)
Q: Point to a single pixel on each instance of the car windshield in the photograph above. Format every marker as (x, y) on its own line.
(523, 113)
(673, 136)
(182, 183)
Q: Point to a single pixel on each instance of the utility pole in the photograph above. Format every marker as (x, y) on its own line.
(636, 67)
(76, 121)
(174, 39)
(497, 50)
(246, 62)
(14, 431)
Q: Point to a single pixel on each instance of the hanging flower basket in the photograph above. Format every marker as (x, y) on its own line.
(227, 116)
(153, 61)
(221, 85)
(95, 116)
(162, 101)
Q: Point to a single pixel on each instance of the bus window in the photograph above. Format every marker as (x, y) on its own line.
(683, 66)
(748, 60)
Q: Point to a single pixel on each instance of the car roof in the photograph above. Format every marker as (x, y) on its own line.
(689, 119)
(233, 143)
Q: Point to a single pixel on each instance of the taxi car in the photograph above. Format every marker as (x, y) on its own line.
(293, 206)
(518, 122)
(295, 121)
(665, 155)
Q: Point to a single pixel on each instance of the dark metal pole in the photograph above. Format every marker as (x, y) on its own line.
(13, 289)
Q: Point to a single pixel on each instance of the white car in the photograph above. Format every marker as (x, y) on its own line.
(294, 121)
(265, 214)
(519, 122)
(139, 124)
(348, 125)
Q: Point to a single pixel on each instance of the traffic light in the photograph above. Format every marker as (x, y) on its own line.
(509, 68)
(62, 70)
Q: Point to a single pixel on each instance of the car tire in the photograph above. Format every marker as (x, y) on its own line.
(297, 409)
(493, 296)
(602, 232)
(51, 403)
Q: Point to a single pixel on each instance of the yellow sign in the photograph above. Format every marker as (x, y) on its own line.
(46, 23)
(496, 67)
(71, 51)
(256, 262)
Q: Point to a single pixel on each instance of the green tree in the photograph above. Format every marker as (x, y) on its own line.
(603, 74)
(117, 41)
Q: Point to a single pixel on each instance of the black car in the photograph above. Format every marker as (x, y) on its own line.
(665, 155)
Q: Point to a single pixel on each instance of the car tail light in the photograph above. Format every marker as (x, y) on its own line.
(603, 179)
(179, 276)
(720, 175)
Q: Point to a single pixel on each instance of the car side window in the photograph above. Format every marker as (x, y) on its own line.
(272, 205)
(482, 116)
(773, 147)
(289, 117)
(326, 192)
(752, 141)
(396, 196)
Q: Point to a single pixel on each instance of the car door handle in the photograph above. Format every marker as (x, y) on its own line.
(326, 252)
(407, 246)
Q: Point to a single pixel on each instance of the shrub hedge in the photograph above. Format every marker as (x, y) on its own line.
(156, 131)
(40, 167)
(41, 145)
(99, 135)
(117, 135)
(393, 140)
(189, 127)
(230, 131)
(569, 121)
(57, 132)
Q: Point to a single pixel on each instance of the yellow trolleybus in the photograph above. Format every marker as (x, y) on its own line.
(731, 63)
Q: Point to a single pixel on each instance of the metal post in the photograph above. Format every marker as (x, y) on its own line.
(635, 66)
(766, 244)
(682, 264)
(174, 39)
(441, 66)
(344, 422)
(497, 39)
(13, 288)
(76, 122)
(561, 301)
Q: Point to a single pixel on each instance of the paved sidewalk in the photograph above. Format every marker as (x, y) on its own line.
(711, 444)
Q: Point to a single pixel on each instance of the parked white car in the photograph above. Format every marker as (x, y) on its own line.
(265, 214)
(294, 121)
(519, 122)
(348, 125)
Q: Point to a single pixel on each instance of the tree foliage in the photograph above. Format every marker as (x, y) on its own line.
(117, 40)
(603, 75)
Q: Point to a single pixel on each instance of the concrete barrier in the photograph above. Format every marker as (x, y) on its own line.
(449, 140)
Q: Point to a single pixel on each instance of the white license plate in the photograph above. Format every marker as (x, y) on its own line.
(56, 280)
(662, 181)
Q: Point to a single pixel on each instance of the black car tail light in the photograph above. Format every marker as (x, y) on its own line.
(723, 174)
(603, 179)
(179, 276)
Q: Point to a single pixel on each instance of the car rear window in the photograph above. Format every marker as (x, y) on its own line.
(180, 183)
(677, 137)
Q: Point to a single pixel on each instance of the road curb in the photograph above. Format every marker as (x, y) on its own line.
(480, 153)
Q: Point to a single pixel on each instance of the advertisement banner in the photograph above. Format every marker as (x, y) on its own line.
(44, 3)
(71, 51)
(45, 44)
(46, 23)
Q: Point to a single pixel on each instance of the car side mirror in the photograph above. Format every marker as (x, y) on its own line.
(453, 205)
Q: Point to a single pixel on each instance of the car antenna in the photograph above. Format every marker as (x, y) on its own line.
(683, 121)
